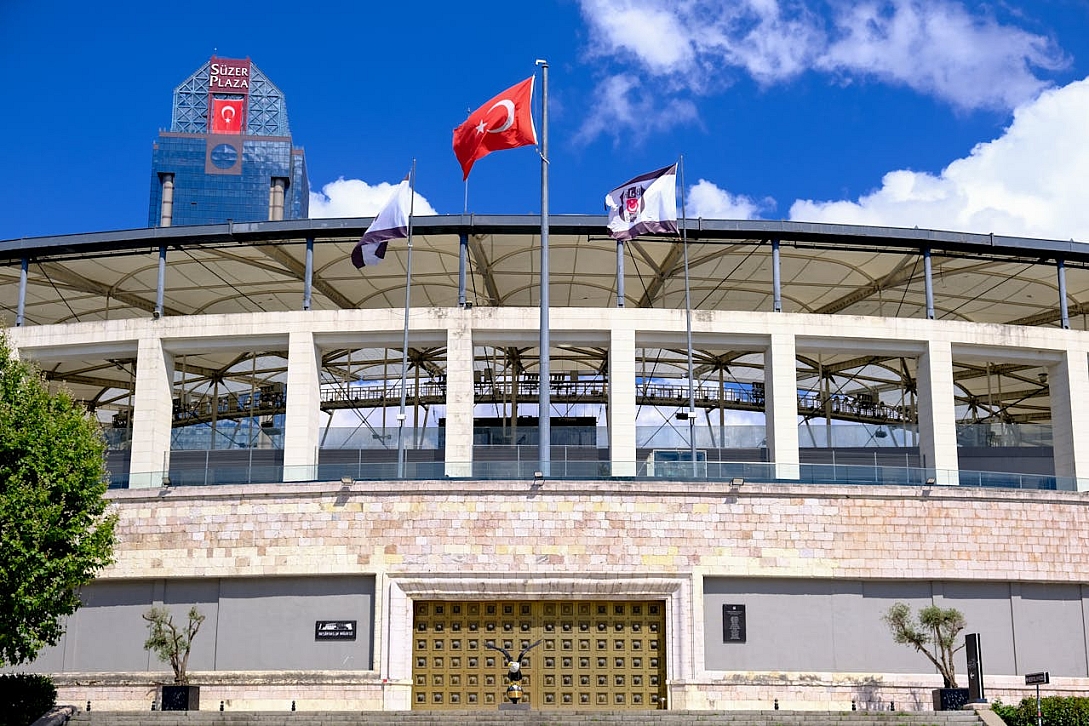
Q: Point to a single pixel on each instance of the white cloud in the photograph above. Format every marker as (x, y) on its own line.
(709, 202)
(936, 47)
(654, 35)
(1030, 181)
(357, 198)
(939, 49)
(693, 40)
(625, 110)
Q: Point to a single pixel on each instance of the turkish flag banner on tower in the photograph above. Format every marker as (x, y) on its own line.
(505, 122)
(227, 115)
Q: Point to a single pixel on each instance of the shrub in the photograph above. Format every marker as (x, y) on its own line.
(1006, 712)
(24, 698)
(1056, 710)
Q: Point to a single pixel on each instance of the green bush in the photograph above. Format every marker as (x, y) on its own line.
(1006, 712)
(1056, 711)
(24, 698)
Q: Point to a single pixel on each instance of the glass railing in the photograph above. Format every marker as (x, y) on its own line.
(669, 433)
(820, 435)
(588, 469)
(1004, 434)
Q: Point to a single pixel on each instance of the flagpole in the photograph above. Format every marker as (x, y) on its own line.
(465, 205)
(688, 328)
(401, 416)
(620, 273)
(544, 425)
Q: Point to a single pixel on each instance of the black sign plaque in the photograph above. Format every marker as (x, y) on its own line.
(1035, 679)
(733, 623)
(974, 655)
(334, 630)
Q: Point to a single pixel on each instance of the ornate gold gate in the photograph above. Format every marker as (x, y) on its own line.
(607, 655)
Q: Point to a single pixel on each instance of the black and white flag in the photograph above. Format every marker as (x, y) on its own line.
(391, 223)
(646, 204)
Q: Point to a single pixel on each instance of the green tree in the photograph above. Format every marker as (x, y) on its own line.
(170, 643)
(55, 533)
(933, 633)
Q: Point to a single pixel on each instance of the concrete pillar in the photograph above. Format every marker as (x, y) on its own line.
(781, 406)
(1069, 383)
(302, 419)
(937, 413)
(152, 415)
(276, 199)
(166, 207)
(459, 396)
(622, 408)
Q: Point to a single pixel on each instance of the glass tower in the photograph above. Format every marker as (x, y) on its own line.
(228, 154)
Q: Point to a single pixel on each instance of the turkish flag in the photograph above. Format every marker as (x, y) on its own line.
(505, 122)
(226, 116)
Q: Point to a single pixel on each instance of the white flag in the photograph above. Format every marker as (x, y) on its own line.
(646, 204)
(391, 223)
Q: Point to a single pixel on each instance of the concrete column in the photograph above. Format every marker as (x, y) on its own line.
(459, 396)
(166, 208)
(152, 415)
(276, 199)
(937, 413)
(302, 419)
(622, 408)
(1069, 382)
(781, 406)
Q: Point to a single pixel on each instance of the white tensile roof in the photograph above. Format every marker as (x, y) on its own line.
(825, 269)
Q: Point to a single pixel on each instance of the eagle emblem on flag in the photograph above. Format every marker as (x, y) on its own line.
(633, 205)
(646, 204)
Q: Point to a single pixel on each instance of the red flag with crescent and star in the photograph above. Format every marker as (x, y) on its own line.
(226, 116)
(505, 122)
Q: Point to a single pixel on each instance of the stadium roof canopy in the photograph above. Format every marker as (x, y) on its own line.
(825, 269)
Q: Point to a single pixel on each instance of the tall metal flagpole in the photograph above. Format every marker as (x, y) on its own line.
(544, 424)
(401, 416)
(688, 329)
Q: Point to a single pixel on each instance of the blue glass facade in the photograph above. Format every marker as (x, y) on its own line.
(237, 174)
(201, 197)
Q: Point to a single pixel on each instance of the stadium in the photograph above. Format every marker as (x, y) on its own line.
(761, 436)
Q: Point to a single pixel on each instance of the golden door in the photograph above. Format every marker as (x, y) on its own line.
(606, 655)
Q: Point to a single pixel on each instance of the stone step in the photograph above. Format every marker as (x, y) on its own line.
(526, 718)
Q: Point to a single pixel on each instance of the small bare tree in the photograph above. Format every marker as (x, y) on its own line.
(169, 642)
(934, 634)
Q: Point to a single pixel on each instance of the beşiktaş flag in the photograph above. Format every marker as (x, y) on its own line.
(391, 223)
(646, 204)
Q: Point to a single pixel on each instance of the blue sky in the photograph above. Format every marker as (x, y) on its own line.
(947, 114)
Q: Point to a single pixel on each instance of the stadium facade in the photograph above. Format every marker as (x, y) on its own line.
(626, 560)
(350, 487)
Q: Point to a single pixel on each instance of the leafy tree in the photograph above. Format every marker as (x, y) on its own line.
(170, 643)
(24, 697)
(54, 530)
(933, 633)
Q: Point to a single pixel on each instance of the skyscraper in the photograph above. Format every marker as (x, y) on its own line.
(228, 154)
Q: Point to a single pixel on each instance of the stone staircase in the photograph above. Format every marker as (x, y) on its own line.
(527, 718)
